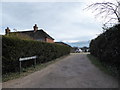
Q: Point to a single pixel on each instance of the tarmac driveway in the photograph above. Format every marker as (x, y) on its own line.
(73, 71)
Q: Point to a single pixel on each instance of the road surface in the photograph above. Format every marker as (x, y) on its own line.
(73, 71)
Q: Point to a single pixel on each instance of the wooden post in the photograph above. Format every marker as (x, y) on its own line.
(20, 66)
(34, 62)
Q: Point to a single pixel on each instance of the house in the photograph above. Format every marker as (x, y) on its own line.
(85, 49)
(39, 35)
(78, 50)
(62, 43)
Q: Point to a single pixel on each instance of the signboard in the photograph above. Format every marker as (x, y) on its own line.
(27, 58)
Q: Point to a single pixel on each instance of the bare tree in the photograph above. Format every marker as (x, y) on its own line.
(107, 9)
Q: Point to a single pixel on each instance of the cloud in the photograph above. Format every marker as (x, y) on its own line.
(62, 20)
(41, 0)
(76, 24)
(86, 1)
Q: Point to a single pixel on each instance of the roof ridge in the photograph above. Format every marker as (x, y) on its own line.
(39, 30)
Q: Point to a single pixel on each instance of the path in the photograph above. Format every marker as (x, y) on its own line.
(73, 71)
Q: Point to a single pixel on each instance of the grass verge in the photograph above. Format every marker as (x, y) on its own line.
(29, 70)
(100, 65)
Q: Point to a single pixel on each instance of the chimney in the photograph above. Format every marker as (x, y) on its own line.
(7, 31)
(35, 28)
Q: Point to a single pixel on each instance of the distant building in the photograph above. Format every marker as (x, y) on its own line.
(85, 49)
(62, 43)
(78, 50)
(36, 34)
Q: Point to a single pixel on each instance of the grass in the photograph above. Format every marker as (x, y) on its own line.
(100, 65)
(29, 70)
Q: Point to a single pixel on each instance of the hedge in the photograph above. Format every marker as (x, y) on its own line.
(107, 47)
(15, 48)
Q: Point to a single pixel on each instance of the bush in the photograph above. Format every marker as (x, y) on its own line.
(14, 48)
(107, 47)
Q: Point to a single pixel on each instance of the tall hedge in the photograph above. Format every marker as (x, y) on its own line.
(15, 48)
(107, 47)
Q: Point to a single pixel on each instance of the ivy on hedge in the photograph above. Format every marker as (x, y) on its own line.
(14, 48)
(107, 47)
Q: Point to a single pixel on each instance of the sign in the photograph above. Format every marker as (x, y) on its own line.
(27, 58)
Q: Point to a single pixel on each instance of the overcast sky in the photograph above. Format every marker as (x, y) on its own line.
(64, 21)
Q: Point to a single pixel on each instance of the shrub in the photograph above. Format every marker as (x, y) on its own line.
(14, 48)
(107, 47)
